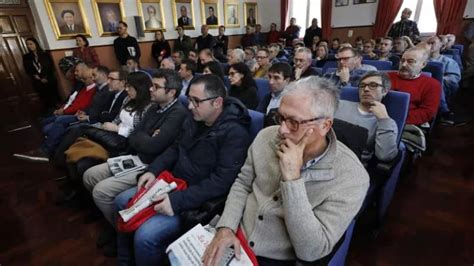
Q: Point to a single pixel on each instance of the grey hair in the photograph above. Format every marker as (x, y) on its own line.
(239, 54)
(323, 92)
(306, 51)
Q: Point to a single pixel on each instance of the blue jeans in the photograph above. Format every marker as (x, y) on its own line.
(54, 128)
(148, 244)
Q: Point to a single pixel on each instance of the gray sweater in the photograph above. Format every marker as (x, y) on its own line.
(303, 218)
(383, 133)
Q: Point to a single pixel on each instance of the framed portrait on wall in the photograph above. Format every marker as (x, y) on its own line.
(108, 14)
(231, 14)
(250, 13)
(356, 2)
(338, 3)
(183, 13)
(152, 13)
(67, 18)
(210, 13)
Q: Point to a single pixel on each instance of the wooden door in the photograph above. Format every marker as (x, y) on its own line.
(18, 102)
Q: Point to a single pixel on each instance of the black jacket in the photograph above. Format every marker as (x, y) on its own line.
(160, 49)
(248, 95)
(100, 103)
(309, 35)
(208, 158)
(106, 116)
(121, 48)
(184, 45)
(207, 42)
(142, 141)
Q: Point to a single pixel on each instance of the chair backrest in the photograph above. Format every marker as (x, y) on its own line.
(436, 69)
(380, 65)
(460, 47)
(256, 123)
(329, 64)
(318, 70)
(263, 88)
(396, 102)
(455, 55)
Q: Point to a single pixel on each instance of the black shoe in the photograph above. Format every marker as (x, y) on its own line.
(110, 250)
(447, 118)
(33, 156)
(106, 236)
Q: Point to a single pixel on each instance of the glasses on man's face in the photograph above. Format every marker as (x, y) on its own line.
(291, 124)
(157, 86)
(112, 78)
(344, 58)
(196, 101)
(261, 57)
(372, 85)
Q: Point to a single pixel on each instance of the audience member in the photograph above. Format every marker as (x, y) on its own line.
(335, 45)
(125, 45)
(368, 50)
(302, 64)
(206, 40)
(284, 217)
(248, 39)
(39, 66)
(86, 53)
(208, 155)
(321, 55)
(177, 57)
(215, 68)
(152, 136)
(186, 72)
(160, 48)
(359, 43)
(371, 114)
(405, 27)
(385, 53)
(348, 72)
(273, 35)
(222, 42)
(132, 64)
(312, 31)
(249, 58)
(291, 32)
(242, 85)
(425, 92)
(400, 44)
(260, 69)
(167, 63)
(258, 35)
(451, 79)
(193, 55)
(183, 42)
(274, 50)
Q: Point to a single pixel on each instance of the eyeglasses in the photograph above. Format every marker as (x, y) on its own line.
(261, 57)
(293, 125)
(196, 101)
(111, 78)
(408, 61)
(344, 58)
(372, 85)
(157, 87)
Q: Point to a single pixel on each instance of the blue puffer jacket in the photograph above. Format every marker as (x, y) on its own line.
(209, 159)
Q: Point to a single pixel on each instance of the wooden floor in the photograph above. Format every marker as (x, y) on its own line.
(430, 221)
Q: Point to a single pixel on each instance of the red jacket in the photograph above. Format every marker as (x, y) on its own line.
(82, 100)
(425, 95)
(273, 37)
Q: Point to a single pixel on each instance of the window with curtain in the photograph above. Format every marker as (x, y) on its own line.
(304, 11)
(423, 13)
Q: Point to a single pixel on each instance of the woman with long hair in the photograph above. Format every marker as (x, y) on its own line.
(242, 85)
(215, 68)
(39, 66)
(87, 54)
(138, 86)
(160, 48)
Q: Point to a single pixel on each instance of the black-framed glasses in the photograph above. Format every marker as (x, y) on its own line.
(112, 78)
(344, 58)
(372, 85)
(156, 87)
(196, 101)
(292, 124)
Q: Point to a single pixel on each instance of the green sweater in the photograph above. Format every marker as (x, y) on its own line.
(303, 218)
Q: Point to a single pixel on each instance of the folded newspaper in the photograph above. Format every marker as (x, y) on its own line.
(122, 165)
(157, 188)
(190, 247)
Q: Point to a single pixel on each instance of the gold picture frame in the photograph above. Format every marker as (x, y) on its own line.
(185, 19)
(108, 13)
(67, 18)
(250, 14)
(231, 14)
(210, 13)
(157, 22)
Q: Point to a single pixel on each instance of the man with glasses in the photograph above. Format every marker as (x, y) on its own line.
(260, 69)
(302, 64)
(425, 92)
(125, 46)
(348, 72)
(208, 155)
(187, 69)
(299, 188)
(371, 114)
(152, 136)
